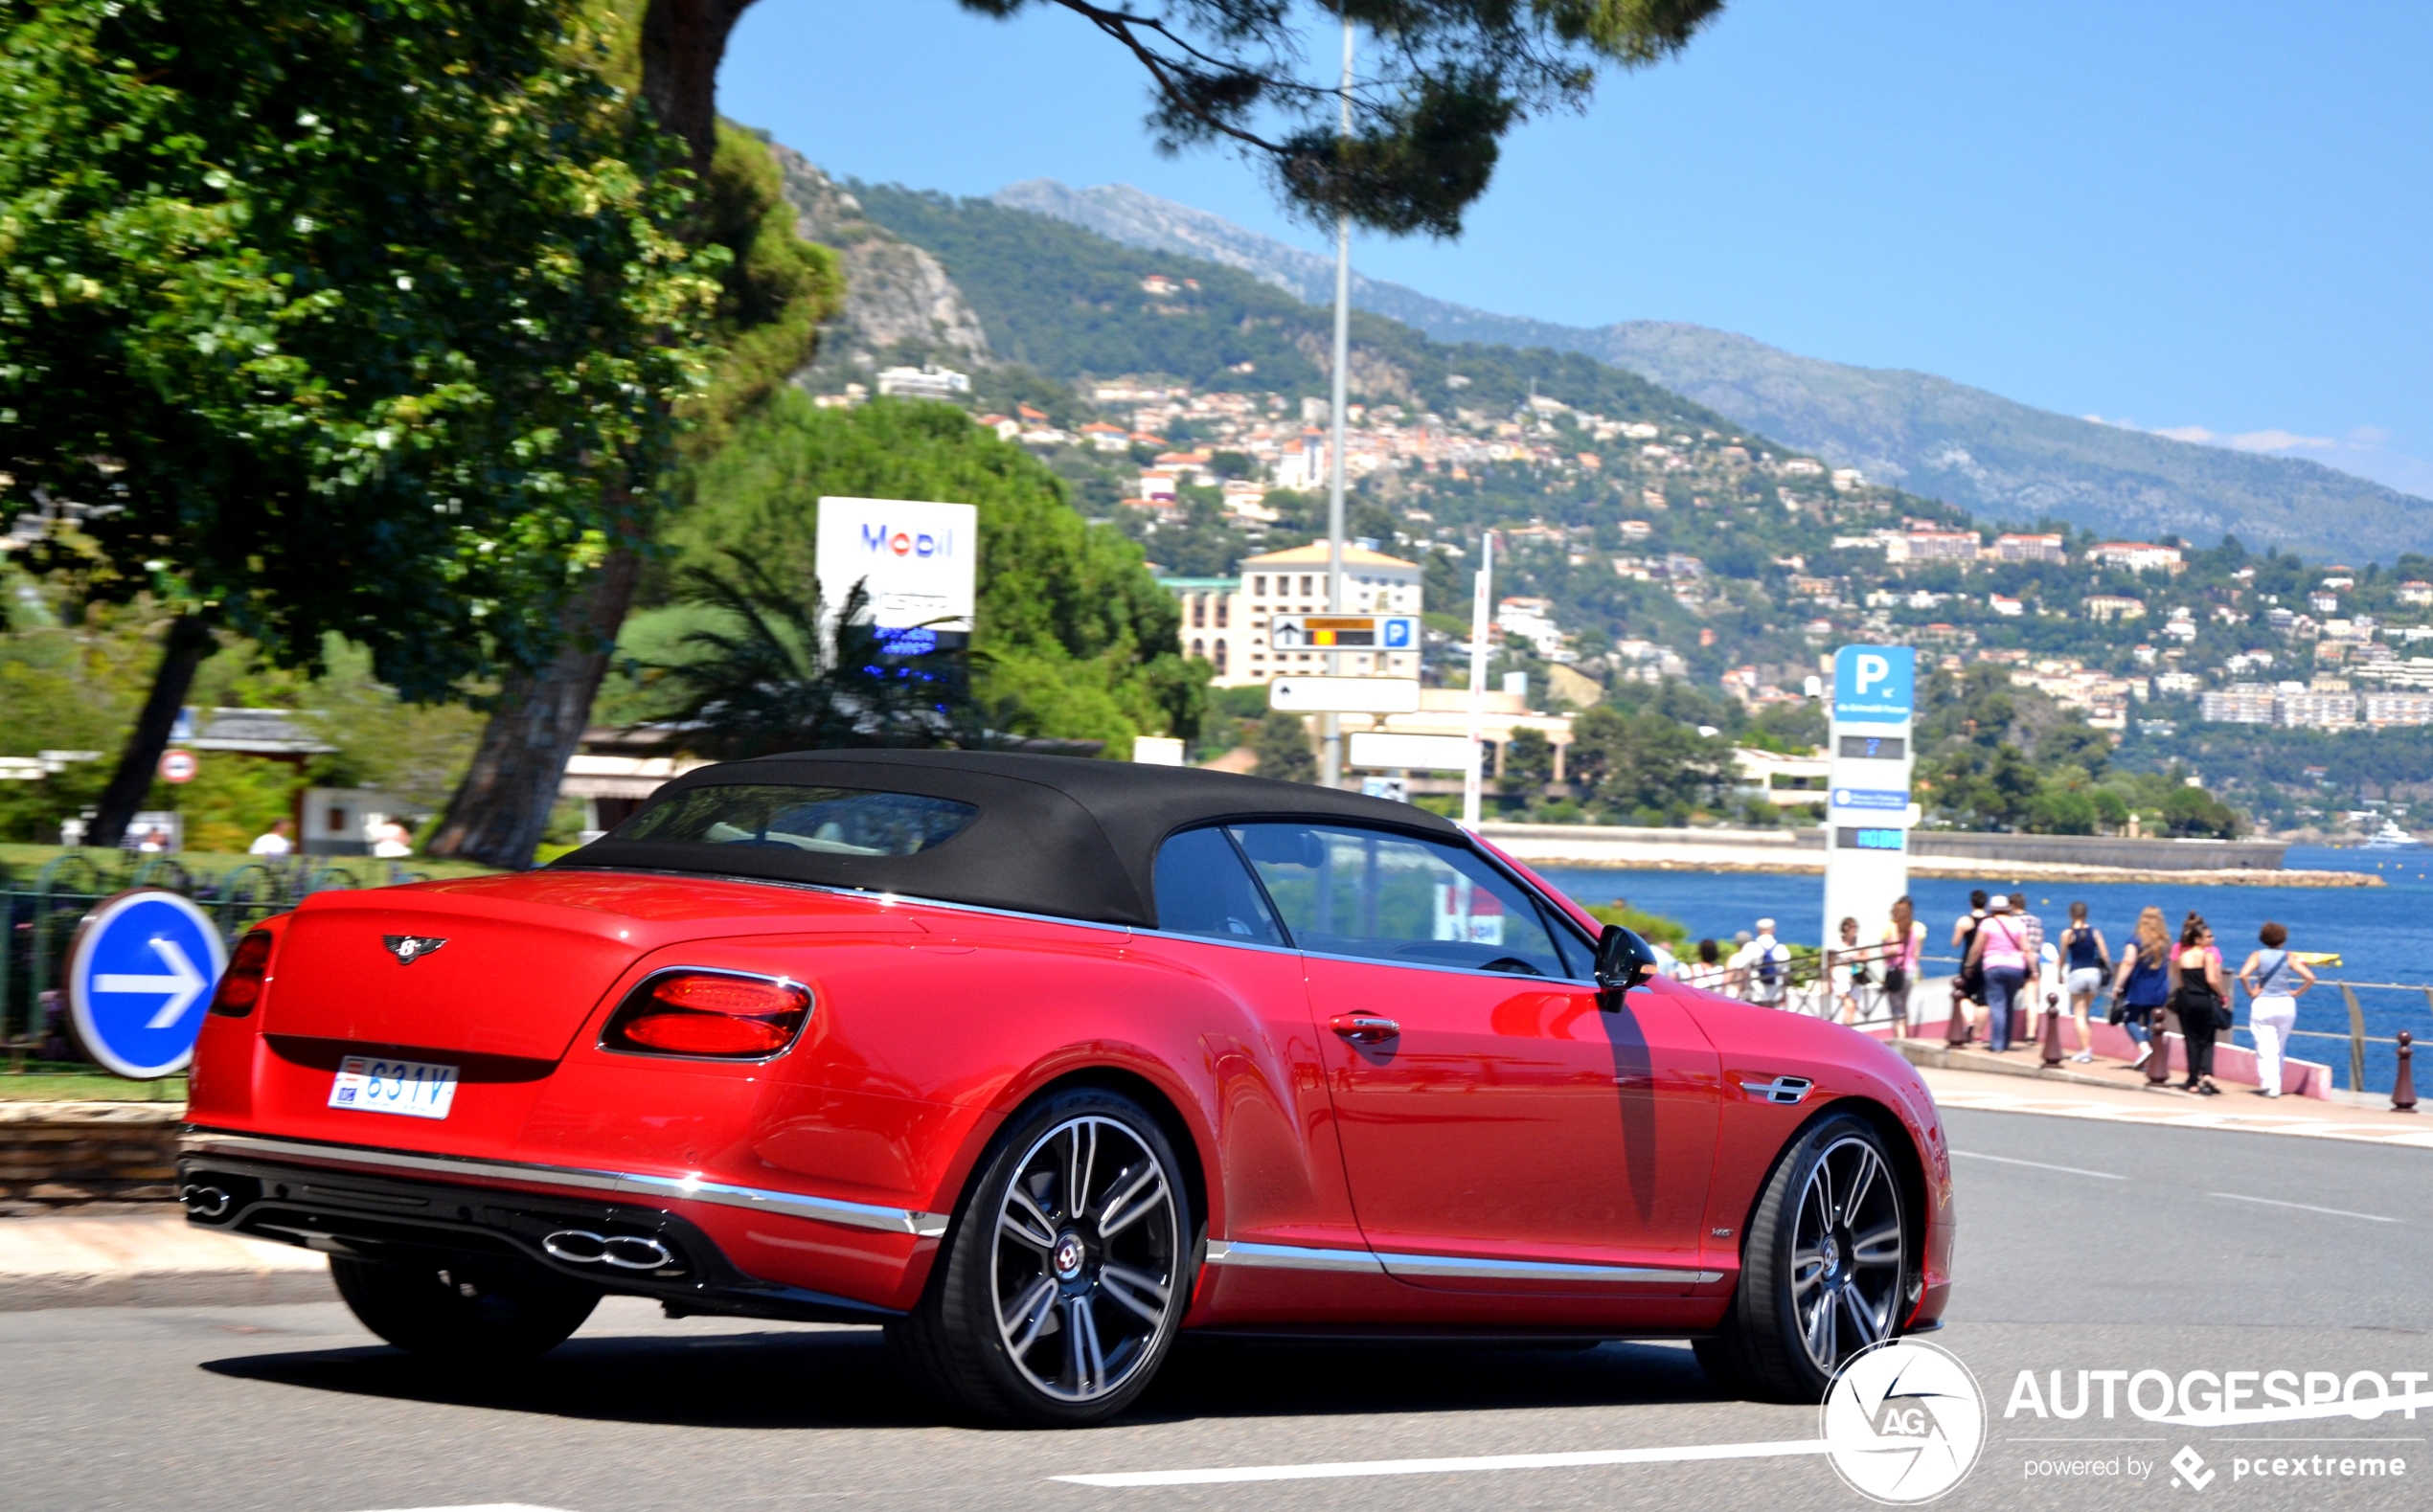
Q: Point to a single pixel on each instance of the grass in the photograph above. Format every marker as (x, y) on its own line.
(39, 1082)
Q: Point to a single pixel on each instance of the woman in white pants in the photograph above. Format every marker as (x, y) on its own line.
(2274, 979)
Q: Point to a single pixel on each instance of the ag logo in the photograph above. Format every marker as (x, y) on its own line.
(1903, 1422)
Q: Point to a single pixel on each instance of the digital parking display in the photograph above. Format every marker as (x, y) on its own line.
(1853, 837)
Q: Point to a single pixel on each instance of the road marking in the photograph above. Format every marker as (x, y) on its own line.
(1352, 1468)
(2067, 1170)
(2337, 1212)
(481, 1506)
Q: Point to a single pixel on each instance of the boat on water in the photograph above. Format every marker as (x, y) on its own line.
(2391, 837)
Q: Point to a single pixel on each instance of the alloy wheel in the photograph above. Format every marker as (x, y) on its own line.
(1087, 1259)
(1847, 1252)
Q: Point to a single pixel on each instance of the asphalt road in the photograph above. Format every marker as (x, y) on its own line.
(2147, 1252)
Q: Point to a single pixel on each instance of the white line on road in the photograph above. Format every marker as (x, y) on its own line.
(484, 1507)
(2337, 1212)
(1350, 1468)
(2066, 1170)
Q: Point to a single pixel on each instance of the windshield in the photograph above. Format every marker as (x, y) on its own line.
(830, 821)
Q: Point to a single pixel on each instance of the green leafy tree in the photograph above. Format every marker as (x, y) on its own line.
(1528, 761)
(1283, 749)
(1645, 767)
(365, 317)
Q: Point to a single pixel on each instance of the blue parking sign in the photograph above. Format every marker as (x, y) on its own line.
(139, 980)
(1400, 633)
(1874, 685)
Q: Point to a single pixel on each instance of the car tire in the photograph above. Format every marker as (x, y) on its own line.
(451, 1314)
(1825, 1267)
(1052, 1310)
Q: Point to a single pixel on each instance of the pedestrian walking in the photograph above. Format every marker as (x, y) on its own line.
(1905, 937)
(1846, 971)
(1708, 973)
(1999, 951)
(274, 842)
(2275, 981)
(1971, 981)
(1765, 967)
(2143, 984)
(2200, 1001)
(2086, 959)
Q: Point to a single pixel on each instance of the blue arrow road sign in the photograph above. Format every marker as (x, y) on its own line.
(140, 979)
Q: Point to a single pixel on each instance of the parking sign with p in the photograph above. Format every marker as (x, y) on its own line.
(1874, 684)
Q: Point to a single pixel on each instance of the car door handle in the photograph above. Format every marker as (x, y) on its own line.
(1365, 1028)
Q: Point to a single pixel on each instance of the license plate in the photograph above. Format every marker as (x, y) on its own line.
(416, 1089)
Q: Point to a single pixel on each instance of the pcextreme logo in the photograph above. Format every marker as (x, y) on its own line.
(1903, 1422)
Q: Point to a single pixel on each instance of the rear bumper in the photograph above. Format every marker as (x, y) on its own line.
(367, 1204)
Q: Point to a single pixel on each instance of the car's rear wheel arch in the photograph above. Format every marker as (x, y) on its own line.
(1153, 1100)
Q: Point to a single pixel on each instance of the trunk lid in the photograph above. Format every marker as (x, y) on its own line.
(523, 960)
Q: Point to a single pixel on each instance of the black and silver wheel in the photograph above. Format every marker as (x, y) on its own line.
(1825, 1268)
(462, 1313)
(1066, 1274)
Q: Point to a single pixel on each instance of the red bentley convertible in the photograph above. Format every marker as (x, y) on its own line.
(1038, 1062)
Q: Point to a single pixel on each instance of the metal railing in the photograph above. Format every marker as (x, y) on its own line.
(38, 920)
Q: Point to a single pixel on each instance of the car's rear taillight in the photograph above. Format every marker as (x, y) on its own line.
(708, 1013)
(240, 984)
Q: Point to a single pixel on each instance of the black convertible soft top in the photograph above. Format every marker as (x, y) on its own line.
(1065, 835)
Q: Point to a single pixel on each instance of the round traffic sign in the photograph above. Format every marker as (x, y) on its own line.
(140, 975)
(179, 766)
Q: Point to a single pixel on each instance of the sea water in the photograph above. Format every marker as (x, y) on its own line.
(2382, 933)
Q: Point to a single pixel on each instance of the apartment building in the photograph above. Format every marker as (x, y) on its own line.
(1225, 618)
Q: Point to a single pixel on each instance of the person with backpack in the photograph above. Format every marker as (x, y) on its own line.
(1765, 967)
(2200, 1002)
(2275, 981)
(2085, 961)
(2000, 953)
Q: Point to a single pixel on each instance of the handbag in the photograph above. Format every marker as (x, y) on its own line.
(1896, 979)
(2118, 1012)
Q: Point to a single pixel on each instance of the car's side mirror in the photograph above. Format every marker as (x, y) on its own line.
(1624, 961)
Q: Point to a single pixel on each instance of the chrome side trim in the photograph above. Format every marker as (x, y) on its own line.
(1291, 1257)
(1447, 1265)
(675, 1188)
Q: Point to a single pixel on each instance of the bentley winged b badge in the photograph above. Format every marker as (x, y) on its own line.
(411, 948)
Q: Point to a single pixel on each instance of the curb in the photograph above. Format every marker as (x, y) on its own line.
(148, 1260)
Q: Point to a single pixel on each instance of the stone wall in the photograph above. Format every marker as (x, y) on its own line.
(59, 1154)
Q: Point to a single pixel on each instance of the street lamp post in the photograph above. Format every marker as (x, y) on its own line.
(1330, 759)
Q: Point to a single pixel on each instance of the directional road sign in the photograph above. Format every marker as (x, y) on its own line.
(1357, 632)
(139, 979)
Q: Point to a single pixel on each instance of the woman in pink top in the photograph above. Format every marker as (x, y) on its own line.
(2000, 950)
(1907, 938)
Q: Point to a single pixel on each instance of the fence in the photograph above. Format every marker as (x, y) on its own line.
(1812, 986)
(38, 921)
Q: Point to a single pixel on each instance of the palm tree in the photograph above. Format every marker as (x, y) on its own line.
(771, 670)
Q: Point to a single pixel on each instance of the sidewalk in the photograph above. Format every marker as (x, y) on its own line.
(2081, 1096)
(148, 1260)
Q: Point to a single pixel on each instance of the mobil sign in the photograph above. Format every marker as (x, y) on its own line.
(914, 557)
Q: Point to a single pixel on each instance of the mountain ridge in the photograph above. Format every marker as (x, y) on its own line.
(1998, 459)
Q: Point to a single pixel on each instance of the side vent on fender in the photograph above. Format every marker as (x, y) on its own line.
(1789, 1091)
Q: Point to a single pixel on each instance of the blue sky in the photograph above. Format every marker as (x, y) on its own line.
(2207, 219)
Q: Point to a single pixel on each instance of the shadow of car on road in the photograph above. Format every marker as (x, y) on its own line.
(844, 1378)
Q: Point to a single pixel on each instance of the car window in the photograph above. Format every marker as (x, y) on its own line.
(833, 820)
(1202, 889)
(1345, 891)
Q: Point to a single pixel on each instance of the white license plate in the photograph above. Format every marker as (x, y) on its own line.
(416, 1089)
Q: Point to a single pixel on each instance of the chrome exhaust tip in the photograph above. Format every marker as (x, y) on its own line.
(206, 1202)
(624, 1252)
